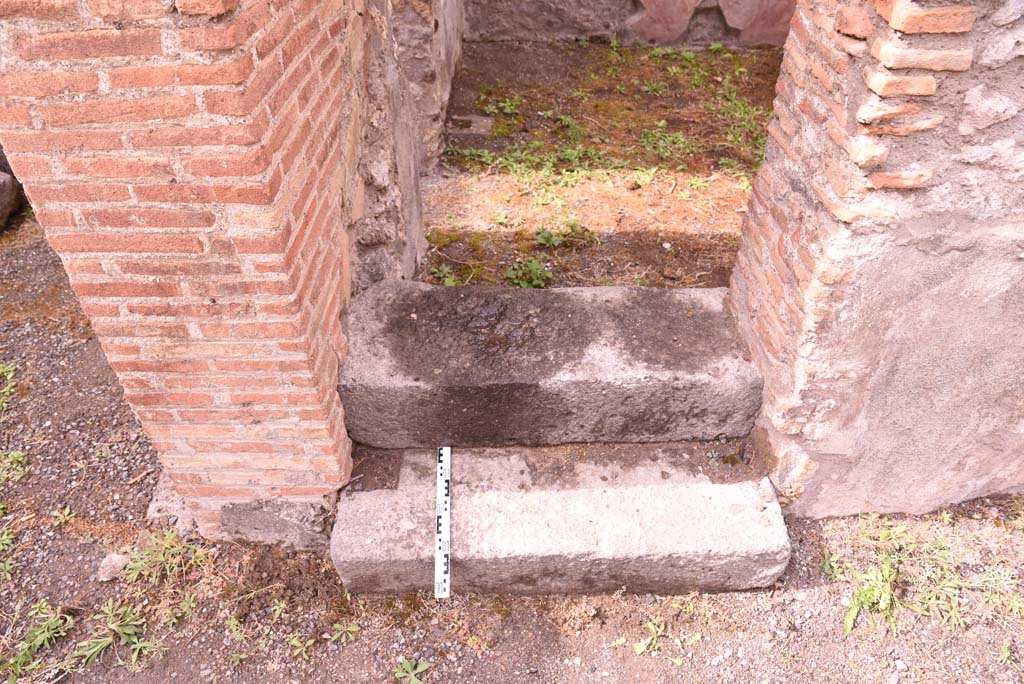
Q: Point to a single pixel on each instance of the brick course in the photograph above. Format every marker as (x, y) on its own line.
(861, 166)
(196, 179)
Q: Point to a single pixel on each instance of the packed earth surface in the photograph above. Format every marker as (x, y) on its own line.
(582, 164)
(587, 164)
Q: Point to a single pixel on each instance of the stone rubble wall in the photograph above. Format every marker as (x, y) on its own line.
(215, 174)
(10, 191)
(655, 22)
(429, 36)
(880, 279)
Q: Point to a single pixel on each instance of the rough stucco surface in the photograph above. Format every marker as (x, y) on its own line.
(648, 526)
(893, 359)
(937, 412)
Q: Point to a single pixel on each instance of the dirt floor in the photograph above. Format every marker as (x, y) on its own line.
(949, 582)
(593, 164)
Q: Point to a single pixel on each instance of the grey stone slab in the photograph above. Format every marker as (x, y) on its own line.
(483, 366)
(651, 523)
(10, 197)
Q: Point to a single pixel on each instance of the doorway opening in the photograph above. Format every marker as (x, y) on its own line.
(590, 163)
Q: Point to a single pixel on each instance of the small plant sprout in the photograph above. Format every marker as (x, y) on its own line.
(649, 644)
(8, 566)
(529, 273)
(408, 671)
(7, 385)
(508, 106)
(300, 646)
(237, 658)
(51, 624)
(665, 144)
(6, 540)
(182, 611)
(343, 633)
(829, 563)
(115, 625)
(644, 177)
(655, 88)
(580, 94)
(235, 628)
(166, 557)
(13, 466)
(875, 594)
(547, 238)
(1005, 654)
(62, 516)
(618, 643)
(445, 274)
(699, 183)
(946, 517)
(277, 609)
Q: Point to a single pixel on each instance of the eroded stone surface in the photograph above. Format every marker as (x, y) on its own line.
(984, 107)
(492, 366)
(292, 524)
(645, 21)
(649, 525)
(9, 196)
(10, 190)
(429, 37)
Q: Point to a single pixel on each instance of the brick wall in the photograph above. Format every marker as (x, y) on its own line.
(197, 169)
(881, 274)
(217, 176)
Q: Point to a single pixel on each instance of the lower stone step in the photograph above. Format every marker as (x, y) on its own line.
(581, 519)
(485, 366)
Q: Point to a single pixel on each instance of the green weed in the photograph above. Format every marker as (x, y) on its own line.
(508, 106)
(829, 563)
(665, 144)
(115, 625)
(530, 273)
(341, 633)
(51, 624)
(13, 466)
(655, 88)
(651, 643)
(548, 238)
(408, 671)
(62, 516)
(7, 385)
(875, 594)
(300, 646)
(445, 274)
(166, 557)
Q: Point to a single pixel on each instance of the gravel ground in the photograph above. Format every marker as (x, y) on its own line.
(86, 451)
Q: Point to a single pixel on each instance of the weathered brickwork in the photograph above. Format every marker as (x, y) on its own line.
(198, 169)
(219, 175)
(881, 273)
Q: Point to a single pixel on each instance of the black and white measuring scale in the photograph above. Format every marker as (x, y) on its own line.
(443, 533)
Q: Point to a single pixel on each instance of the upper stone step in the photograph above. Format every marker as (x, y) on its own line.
(569, 519)
(484, 366)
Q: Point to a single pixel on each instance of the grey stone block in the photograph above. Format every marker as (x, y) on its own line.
(650, 523)
(481, 366)
(10, 197)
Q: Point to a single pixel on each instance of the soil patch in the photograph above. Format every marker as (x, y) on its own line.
(586, 164)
